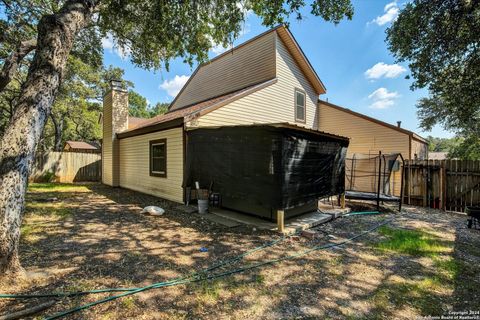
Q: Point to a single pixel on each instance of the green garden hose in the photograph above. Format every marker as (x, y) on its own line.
(361, 213)
(214, 276)
(80, 293)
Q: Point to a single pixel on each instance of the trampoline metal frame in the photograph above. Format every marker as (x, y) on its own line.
(377, 195)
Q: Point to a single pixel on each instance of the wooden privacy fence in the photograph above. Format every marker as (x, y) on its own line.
(67, 167)
(445, 184)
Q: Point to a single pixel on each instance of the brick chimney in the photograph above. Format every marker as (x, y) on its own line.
(115, 120)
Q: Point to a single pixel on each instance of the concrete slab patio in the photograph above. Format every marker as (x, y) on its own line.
(292, 225)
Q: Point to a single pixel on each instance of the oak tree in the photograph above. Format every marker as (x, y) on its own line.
(440, 41)
(151, 32)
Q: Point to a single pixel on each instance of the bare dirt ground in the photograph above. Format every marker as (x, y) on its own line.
(424, 262)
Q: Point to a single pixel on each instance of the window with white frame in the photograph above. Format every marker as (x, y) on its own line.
(300, 105)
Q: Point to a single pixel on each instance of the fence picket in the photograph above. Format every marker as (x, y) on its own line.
(454, 184)
(67, 167)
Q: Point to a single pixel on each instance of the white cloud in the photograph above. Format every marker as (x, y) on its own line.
(219, 49)
(382, 93)
(382, 98)
(174, 85)
(109, 44)
(384, 70)
(243, 8)
(382, 104)
(391, 11)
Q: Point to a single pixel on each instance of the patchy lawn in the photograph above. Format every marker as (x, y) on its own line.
(85, 237)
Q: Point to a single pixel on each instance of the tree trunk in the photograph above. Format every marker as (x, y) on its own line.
(56, 34)
(58, 128)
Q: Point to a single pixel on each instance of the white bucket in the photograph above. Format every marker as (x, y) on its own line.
(202, 206)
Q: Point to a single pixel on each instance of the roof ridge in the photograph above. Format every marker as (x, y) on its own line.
(289, 41)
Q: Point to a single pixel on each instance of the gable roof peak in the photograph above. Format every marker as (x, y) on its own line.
(290, 43)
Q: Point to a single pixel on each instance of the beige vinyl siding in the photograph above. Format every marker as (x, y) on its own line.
(290, 77)
(249, 64)
(135, 170)
(273, 104)
(420, 149)
(107, 141)
(366, 137)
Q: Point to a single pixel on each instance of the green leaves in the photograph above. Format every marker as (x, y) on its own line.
(440, 41)
(153, 32)
(150, 33)
(137, 105)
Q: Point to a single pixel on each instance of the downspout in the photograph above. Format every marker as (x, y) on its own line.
(184, 184)
(409, 167)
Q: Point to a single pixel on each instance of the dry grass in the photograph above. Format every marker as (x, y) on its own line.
(92, 236)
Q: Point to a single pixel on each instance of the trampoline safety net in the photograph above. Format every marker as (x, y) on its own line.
(374, 177)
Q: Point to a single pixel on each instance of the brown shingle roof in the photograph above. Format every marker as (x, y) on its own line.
(134, 122)
(81, 145)
(437, 155)
(189, 110)
(385, 124)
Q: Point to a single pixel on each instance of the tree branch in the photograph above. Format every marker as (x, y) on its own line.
(11, 63)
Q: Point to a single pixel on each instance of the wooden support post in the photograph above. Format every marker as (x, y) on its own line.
(379, 177)
(409, 187)
(342, 200)
(441, 183)
(444, 187)
(425, 184)
(281, 220)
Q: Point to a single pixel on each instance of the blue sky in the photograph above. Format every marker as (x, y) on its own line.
(351, 58)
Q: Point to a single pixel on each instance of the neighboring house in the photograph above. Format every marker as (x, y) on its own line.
(437, 155)
(81, 146)
(369, 135)
(265, 86)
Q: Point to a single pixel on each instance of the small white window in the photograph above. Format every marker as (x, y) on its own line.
(300, 106)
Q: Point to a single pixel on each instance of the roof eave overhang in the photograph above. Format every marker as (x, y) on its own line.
(385, 124)
(302, 60)
(174, 123)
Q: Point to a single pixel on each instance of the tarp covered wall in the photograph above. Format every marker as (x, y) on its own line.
(261, 169)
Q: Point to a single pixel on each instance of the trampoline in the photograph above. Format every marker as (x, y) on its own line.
(376, 178)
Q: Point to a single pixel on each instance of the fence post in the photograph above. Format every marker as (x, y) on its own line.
(425, 183)
(409, 186)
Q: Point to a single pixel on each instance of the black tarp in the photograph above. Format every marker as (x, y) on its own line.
(260, 169)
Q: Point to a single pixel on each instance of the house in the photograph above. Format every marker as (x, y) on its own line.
(247, 125)
(263, 95)
(81, 146)
(440, 155)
